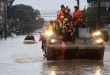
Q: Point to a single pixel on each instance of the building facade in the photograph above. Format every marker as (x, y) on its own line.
(104, 9)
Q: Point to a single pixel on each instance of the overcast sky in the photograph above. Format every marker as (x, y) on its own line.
(49, 8)
(50, 4)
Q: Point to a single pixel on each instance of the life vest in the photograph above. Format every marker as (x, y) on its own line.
(51, 27)
(77, 15)
(59, 14)
(61, 24)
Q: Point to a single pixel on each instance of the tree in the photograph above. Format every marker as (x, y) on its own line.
(25, 14)
(24, 17)
(37, 13)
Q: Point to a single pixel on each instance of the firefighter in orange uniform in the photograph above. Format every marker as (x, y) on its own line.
(77, 18)
(61, 12)
(77, 15)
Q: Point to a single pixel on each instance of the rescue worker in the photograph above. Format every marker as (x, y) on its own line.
(68, 30)
(61, 22)
(61, 25)
(77, 16)
(51, 25)
(67, 14)
(61, 12)
(66, 22)
(43, 39)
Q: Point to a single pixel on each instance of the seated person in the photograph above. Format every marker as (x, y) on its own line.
(68, 34)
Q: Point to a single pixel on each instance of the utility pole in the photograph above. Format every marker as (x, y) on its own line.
(78, 3)
(98, 14)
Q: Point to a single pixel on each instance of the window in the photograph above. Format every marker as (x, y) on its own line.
(92, 4)
(105, 4)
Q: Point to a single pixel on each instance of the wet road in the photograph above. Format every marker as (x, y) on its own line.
(17, 58)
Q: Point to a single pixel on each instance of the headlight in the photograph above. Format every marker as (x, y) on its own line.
(99, 41)
(48, 33)
(52, 40)
(97, 33)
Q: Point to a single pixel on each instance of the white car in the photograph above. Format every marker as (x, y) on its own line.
(29, 40)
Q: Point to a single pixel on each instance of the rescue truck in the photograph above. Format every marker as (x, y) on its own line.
(87, 46)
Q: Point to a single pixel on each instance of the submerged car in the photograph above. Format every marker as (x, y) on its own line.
(29, 40)
(86, 46)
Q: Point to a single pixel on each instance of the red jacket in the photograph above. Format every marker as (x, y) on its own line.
(77, 15)
(59, 14)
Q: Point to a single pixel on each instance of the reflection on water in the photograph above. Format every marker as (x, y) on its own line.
(17, 58)
(52, 72)
(75, 67)
(98, 70)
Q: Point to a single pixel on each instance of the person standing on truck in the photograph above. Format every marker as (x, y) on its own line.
(60, 24)
(77, 17)
(51, 25)
(67, 14)
(61, 12)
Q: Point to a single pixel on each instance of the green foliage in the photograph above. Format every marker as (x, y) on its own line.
(24, 17)
(26, 14)
(37, 13)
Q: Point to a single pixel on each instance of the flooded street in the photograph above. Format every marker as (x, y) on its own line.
(17, 58)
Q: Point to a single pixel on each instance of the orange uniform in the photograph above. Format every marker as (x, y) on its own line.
(77, 15)
(59, 14)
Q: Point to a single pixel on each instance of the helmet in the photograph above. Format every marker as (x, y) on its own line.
(61, 16)
(62, 6)
(76, 6)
